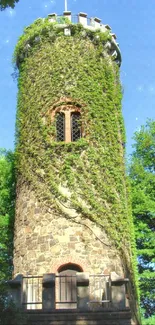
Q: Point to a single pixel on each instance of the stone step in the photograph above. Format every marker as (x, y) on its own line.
(79, 322)
(75, 318)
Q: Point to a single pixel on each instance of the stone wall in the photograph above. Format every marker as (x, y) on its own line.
(44, 241)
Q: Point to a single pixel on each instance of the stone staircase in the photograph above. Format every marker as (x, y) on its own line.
(72, 317)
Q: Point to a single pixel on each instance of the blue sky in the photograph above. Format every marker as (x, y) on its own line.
(133, 21)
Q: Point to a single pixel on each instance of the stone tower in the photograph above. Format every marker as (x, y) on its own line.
(72, 208)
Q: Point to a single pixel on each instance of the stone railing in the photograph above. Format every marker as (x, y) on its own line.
(81, 291)
(81, 18)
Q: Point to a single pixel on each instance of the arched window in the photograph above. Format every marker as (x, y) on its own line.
(75, 126)
(66, 116)
(68, 125)
(60, 126)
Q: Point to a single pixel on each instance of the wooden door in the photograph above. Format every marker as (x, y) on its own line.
(66, 290)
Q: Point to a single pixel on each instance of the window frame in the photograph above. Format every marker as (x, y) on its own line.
(66, 106)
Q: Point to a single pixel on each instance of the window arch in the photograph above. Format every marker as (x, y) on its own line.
(66, 115)
(70, 266)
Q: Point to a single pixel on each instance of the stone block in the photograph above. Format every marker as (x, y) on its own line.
(41, 258)
(15, 290)
(97, 22)
(82, 279)
(49, 280)
(67, 14)
(37, 211)
(83, 18)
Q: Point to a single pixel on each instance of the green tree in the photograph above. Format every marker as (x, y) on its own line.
(7, 207)
(142, 174)
(7, 3)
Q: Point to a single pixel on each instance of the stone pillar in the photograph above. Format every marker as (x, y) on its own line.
(48, 298)
(15, 290)
(83, 19)
(118, 293)
(82, 290)
(52, 17)
(67, 14)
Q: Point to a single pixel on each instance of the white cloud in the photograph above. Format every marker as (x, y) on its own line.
(151, 89)
(10, 12)
(48, 4)
(140, 88)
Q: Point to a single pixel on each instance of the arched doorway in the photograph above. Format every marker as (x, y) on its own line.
(66, 284)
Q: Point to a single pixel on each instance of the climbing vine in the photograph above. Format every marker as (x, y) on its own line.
(52, 68)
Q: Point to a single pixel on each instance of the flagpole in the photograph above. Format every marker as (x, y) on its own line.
(65, 5)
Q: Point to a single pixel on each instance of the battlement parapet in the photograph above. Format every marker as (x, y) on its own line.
(92, 24)
(66, 22)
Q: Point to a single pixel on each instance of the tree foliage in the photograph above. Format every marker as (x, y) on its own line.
(7, 204)
(9, 313)
(142, 174)
(7, 3)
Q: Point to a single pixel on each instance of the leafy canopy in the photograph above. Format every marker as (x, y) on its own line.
(7, 204)
(142, 174)
(7, 3)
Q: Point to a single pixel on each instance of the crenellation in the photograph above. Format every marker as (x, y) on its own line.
(68, 15)
(52, 17)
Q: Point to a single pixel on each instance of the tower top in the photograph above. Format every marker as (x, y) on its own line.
(66, 23)
(93, 24)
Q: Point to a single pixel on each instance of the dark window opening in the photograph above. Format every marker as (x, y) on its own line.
(60, 126)
(70, 266)
(75, 126)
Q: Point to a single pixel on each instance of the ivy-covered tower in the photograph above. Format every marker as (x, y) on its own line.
(72, 207)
